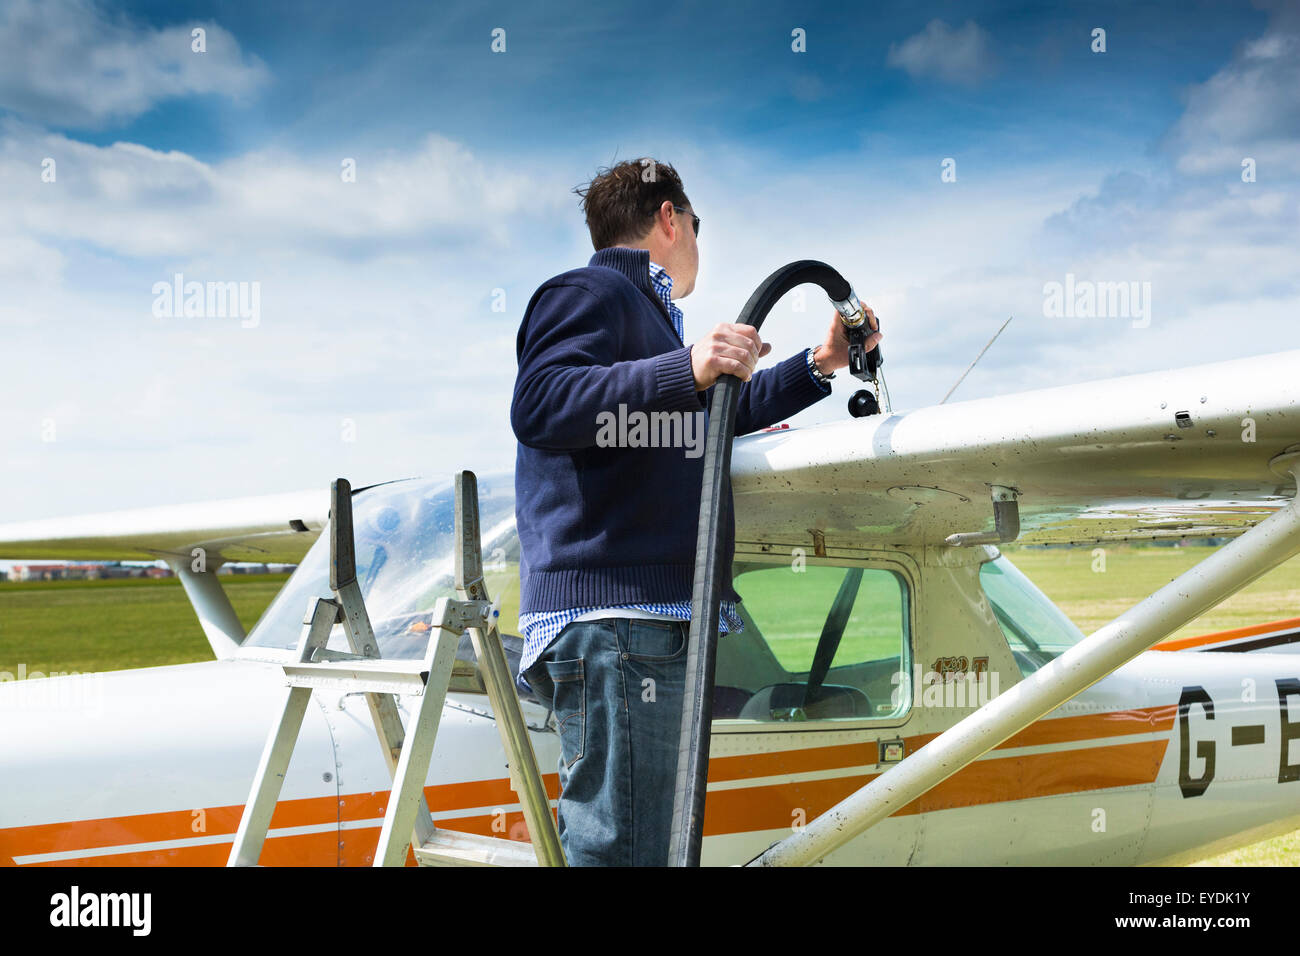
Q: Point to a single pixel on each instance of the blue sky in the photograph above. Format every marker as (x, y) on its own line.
(385, 73)
(377, 352)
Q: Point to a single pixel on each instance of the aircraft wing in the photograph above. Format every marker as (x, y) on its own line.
(267, 528)
(1190, 452)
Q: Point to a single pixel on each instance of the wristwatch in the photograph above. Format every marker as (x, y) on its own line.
(821, 377)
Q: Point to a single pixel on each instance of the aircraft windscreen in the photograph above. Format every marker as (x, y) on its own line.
(1035, 628)
(405, 536)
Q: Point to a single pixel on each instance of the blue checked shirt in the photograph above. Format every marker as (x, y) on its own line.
(541, 628)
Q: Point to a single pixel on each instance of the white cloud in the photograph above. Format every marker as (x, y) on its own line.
(962, 55)
(71, 63)
(134, 201)
(376, 308)
(1249, 108)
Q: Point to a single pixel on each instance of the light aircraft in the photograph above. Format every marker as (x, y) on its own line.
(1161, 756)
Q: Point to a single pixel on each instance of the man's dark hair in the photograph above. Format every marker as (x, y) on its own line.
(621, 202)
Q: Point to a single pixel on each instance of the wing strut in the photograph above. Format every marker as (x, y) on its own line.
(1230, 568)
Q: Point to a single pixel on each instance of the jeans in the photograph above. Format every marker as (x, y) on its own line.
(616, 687)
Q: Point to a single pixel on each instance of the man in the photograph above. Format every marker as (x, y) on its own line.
(607, 529)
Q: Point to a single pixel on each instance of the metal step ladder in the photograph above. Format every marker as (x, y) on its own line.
(407, 821)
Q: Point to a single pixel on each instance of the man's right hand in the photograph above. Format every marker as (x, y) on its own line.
(732, 348)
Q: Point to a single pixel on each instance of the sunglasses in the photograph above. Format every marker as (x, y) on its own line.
(695, 220)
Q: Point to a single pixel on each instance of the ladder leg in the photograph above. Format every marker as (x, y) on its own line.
(274, 763)
(406, 803)
(383, 707)
(361, 635)
(388, 725)
(525, 777)
(256, 819)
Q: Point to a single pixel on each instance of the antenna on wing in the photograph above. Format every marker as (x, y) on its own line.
(977, 358)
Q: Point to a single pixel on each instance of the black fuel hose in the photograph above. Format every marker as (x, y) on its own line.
(715, 498)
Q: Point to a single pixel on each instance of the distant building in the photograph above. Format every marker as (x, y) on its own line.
(86, 571)
(37, 572)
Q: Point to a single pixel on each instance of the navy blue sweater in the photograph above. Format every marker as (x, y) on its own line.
(601, 526)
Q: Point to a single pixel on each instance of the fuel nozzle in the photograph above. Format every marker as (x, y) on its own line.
(863, 364)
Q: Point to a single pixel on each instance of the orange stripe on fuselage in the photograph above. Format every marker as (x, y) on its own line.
(153, 827)
(1115, 723)
(444, 797)
(179, 824)
(301, 849)
(1221, 637)
(996, 780)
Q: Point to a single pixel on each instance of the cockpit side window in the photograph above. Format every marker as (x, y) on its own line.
(821, 642)
(1035, 628)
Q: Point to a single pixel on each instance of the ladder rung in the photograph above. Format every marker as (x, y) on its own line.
(452, 848)
(325, 654)
(376, 677)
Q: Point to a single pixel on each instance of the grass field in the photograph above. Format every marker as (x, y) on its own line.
(84, 626)
(1093, 598)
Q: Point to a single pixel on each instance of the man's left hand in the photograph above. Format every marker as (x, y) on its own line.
(833, 354)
